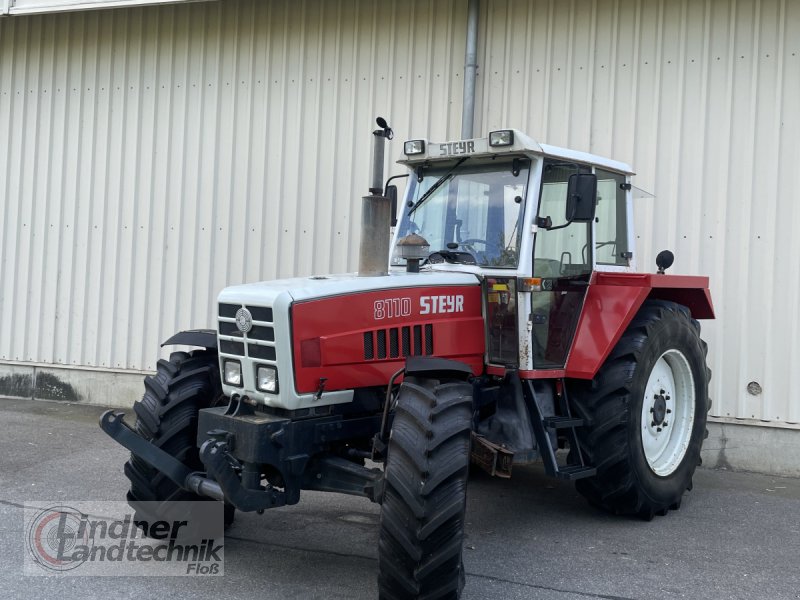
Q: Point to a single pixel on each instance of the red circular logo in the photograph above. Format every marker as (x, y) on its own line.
(53, 535)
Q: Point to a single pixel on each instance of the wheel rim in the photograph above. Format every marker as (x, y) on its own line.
(668, 409)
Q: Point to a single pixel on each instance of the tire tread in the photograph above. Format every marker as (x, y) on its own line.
(166, 415)
(422, 517)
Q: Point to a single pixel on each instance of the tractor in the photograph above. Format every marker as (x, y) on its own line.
(502, 322)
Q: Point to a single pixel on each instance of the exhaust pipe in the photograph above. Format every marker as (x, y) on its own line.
(376, 213)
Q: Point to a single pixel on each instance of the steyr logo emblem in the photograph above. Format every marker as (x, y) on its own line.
(431, 305)
(244, 320)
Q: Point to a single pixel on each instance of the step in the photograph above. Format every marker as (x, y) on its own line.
(562, 422)
(573, 472)
(493, 459)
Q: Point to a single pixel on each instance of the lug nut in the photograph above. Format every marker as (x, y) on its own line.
(663, 392)
(658, 429)
(665, 423)
(652, 409)
(669, 411)
(653, 424)
(667, 398)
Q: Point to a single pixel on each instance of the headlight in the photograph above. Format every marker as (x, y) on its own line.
(503, 137)
(412, 147)
(232, 373)
(267, 379)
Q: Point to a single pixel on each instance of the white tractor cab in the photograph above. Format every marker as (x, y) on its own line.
(501, 207)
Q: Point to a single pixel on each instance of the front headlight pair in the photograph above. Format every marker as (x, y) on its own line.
(266, 376)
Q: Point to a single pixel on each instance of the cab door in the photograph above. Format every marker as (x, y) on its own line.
(562, 259)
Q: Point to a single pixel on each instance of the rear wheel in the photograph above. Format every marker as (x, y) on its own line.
(422, 515)
(167, 416)
(645, 414)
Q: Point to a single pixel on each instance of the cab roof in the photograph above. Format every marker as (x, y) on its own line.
(480, 148)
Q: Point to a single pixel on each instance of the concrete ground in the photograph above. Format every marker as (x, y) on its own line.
(736, 536)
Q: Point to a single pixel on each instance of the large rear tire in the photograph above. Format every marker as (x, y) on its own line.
(645, 414)
(422, 515)
(167, 416)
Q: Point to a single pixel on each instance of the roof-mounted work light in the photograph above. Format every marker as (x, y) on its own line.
(503, 137)
(413, 147)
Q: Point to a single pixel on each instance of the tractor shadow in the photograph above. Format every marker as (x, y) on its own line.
(536, 512)
(332, 539)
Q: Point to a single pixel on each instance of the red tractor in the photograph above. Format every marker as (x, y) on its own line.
(503, 324)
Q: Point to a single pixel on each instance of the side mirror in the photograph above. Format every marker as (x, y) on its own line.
(391, 194)
(581, 198)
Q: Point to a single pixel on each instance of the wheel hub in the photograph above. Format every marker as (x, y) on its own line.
(659, 408)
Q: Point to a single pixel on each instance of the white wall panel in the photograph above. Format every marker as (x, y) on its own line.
(153, 156)
(702, 98)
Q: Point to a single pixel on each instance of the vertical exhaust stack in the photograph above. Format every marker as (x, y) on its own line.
(376, 213)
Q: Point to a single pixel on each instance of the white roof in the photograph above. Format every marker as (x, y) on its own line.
(436, 151)
(585, 157)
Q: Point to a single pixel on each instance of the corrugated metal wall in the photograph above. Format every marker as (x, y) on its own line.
(18, 7)
(156, 155)
(703, 98)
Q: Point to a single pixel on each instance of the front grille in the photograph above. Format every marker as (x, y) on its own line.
(256, 343)
(400, 341)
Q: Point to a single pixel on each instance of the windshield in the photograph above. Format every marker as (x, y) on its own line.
(475, 211)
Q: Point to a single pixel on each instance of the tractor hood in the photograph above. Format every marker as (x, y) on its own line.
(308, 288)
(326, 336)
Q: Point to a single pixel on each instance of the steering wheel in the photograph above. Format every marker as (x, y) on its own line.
(449, 256)
(470, 241)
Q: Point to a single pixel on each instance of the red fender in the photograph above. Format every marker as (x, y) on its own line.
(613, 299)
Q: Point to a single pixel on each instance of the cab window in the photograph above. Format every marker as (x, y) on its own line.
(611, 221)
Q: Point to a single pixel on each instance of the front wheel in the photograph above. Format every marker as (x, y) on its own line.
(422, 514)
(645, 414)
(166, 416)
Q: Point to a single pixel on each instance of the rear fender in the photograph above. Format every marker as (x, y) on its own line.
(613, 299)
